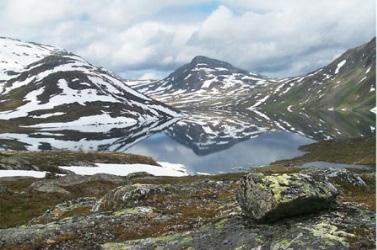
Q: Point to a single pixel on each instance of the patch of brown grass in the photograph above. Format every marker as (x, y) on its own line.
(363, 195)
(278, 169)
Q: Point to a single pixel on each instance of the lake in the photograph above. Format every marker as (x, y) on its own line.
(205, 142)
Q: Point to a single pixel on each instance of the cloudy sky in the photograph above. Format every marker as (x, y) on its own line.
(150, 38)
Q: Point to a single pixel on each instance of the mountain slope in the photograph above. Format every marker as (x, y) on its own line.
(348, 83)
(203, 82)
(44, 86)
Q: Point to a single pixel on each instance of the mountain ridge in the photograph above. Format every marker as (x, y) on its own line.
(331, 87)
(43, 86)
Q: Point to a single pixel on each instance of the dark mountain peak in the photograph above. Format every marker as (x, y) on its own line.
(200, 59)
(210, 62)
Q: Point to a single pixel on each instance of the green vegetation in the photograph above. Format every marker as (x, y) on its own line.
(20, 205)
(18, 209)
(349, 151)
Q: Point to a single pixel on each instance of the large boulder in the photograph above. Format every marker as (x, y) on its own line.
(271, 197)
(127, 196)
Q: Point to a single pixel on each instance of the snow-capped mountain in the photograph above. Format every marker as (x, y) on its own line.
(203, 82)
(42, 86)
(348, 83)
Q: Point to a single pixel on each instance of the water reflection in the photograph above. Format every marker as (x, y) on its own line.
(208, 141)
(266, 148)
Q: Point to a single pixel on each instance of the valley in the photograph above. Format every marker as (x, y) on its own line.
(89, 160)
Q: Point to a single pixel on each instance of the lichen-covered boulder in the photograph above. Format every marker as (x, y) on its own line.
(271, 197)
(127, 196)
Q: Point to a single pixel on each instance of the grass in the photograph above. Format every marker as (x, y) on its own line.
(362, 195)
(50, 160)
(20, 207)
(350, 151)
(164, 180)
(278, 169)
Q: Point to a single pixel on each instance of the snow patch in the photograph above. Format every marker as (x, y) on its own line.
(23, 173)
(339, 66)
(166, 169)
(259, 102)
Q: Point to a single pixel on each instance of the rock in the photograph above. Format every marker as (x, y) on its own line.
(79, 206)
(50, 242)
(333, 230)
(343, 175)
(346, 176)
(50, 175)
(127, 196)
(271, 197)
(15, 163)
(139, 175)
(5, 190)
(58, 185)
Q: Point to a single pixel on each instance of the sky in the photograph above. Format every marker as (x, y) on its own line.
(142, 39)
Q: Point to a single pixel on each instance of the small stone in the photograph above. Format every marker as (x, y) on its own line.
(50, 241)
(271, 197)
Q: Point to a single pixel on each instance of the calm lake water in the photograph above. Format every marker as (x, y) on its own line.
(264, 149)
(206, 142)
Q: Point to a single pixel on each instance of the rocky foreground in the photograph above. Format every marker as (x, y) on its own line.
(268, 208)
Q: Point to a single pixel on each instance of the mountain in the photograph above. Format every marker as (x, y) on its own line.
(43, 86)
(348, 83)
(203, 82)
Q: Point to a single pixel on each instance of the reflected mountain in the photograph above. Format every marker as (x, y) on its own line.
(209, 131)
(204, 132)
(87, 138)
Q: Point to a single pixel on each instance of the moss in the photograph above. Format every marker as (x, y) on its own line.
(135, 210)
(164, 240)
(282, 244)
(220, 224)
(243, 247)
(277, 184)
(115, 246)
(330, 233)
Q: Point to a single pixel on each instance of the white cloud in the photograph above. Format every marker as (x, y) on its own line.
(286, 33)
(150, 76)
(280, 37)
